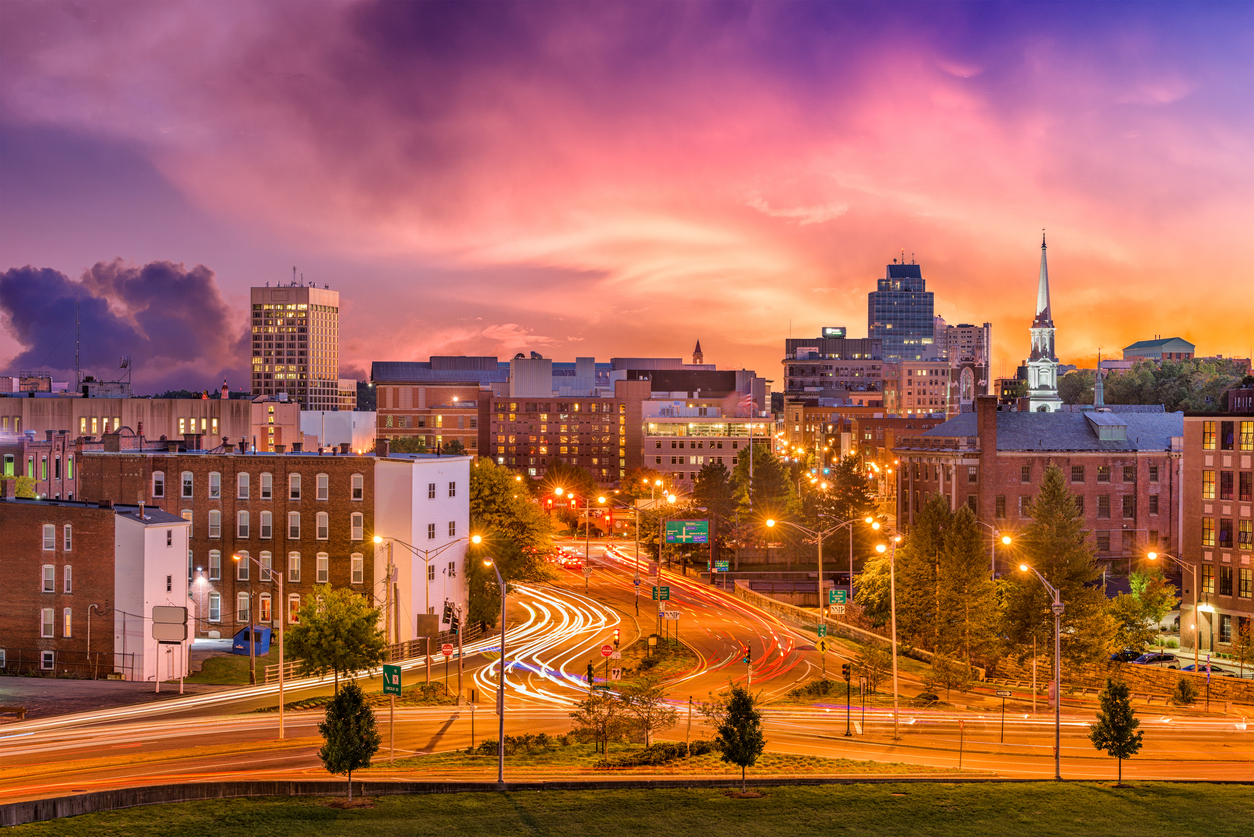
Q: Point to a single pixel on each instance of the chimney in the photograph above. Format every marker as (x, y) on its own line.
(49, 434)
(226, 393)
(281, 448)
(296, 447)
(382, 447)
(243, 445)
(343, 447)
(9, 489)
(112, 442)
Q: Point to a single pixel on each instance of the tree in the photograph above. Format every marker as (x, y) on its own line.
(406, 444)
(948, 673)
(572, 479)
(740, 733)
(598, 718)
(1076, 387)
(772, 492)
(872, 590)
(1055, 543)
(25, 487)
(1185, 692)
(500, 504)
(453, 447)
(848, 496)
(641, 484)
(515, 563)
(351, 736)
(968, 594)
(1156, 595)
(645, 704)
(1243, 644)
(920, 560)
(712, 489)
(1116, 729)
(1134, 628)
(336, 631)
(873, 662)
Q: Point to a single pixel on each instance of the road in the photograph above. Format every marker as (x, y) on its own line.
(553, 632)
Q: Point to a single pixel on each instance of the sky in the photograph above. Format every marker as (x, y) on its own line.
(616, 179)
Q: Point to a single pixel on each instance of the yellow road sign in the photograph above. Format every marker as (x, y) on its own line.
(821, 645)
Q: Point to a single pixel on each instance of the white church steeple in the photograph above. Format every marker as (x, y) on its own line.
(1042, 363)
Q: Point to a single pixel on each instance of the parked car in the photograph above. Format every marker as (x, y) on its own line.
(1217, 671)
(1127, 655)
(1158, 659)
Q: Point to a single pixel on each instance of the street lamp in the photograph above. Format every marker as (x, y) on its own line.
(1006, 540)
(819, 535)
(1057, 607)
(635, 513)
(426, 555)
(282, 621)
(892, 603)
(1197, 641)
(500, 685)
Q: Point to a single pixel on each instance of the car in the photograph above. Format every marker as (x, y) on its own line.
(1217, 671)
(1127, 655)
(1158, 659)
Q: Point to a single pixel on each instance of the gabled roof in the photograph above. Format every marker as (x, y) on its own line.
(1162, 343)
(1069, 431)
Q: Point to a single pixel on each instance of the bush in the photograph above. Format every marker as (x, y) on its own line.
(660, 753)
(515, 744)
(817, 688)
(1185, 693)
(925, 698)
(702, 746)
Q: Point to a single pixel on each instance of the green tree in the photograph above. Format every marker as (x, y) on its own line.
(1076, 387)
(1134, 628)
(25, 487)
(920, 566)
(1055, 543)
(644, 703)
(739, 735)
(572, 479)
(336, 631)
(642, 483)
(1018, 389)
(516, 564)
(351, 738)
(1156, 595)
(712, 488)
(453, 447)
(968, 594)
(406, 444)
(1116, 729)
(1196, 385)
(598, 718)
(871, 590)
(849, 495)
(948, 673)
(1185, 692)
(1243, 644)
(773, 493)
(501, 505)
(874, 662)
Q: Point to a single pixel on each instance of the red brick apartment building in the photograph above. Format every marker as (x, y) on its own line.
(1125, 469)
(50, 461)
(1218, 526)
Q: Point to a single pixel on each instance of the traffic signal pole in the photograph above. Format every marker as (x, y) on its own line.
(848, 700)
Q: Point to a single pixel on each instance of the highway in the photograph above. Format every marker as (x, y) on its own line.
(553, 632)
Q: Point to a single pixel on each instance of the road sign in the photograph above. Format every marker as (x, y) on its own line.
(839, 610)
(607, 650)
(636, 582)
(169, 624)
(616, 674)
(822, 630)
(661, 594)
(604, 687)
(671, 614)
(687, 531)
(821, 646)
(447, 649)
(1001, 693)
(391, 680)
(836, 597)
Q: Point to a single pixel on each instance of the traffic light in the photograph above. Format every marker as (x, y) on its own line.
(845, 672)
(589, 675)
(748, 656)
(448, 612)
(454, 625)
(616, 637)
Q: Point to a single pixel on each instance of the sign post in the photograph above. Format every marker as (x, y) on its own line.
(687, 531)
(392, 688)
(821, 646)
(169, 627)
(1003, 695)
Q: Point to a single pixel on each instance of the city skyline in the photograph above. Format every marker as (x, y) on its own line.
(624, 180)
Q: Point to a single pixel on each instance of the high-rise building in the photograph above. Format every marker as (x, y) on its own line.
(296, 344)
(831, 366)
(1043, 363)
(900, 315)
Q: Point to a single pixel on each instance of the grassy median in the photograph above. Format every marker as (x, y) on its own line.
(1047, 809)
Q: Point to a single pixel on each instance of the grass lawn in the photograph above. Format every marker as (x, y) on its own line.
(436, 694)
(1038, 809)
(667, 659)
(232, 669)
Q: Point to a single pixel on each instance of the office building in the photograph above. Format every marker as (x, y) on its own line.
(900, 314)
(296, 345)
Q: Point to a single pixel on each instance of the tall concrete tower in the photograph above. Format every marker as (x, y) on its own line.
(296, 344)
(1042, 363)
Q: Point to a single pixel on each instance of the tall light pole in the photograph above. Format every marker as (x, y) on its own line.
(282, 621)
(500, 685)
(1006, 540)
(819, 535)
(892, 603)
(1197, 628)
(635, 513)
(426, 555)
(1057, 607)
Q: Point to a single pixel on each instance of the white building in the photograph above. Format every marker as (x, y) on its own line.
(331, 429)
(150, 570)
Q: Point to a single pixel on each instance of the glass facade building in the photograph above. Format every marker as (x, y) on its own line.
(899, 314)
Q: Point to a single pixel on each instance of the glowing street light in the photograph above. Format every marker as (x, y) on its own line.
(1057, 607)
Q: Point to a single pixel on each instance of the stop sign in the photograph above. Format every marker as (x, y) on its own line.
(607, 650)
(447, 649)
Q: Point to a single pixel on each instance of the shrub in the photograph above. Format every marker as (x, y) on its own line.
(702, 746)
(816, 688)
(1185, 693)
(925, 698)
(663, 752)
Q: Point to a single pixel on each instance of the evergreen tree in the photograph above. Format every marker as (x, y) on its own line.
(1116, 729)
(1055, 543)
(351, 738)
(712, 489)
(772, 492)
(848, 496)
(920, 563)
(871, 591)
(740, 733)
(968, 594)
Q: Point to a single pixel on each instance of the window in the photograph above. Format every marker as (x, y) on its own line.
(50, 578)
(1079, 505)
(322, 568)
(46, 622)
(1153, 473)
(215, 485)
(1103, 473)
(1225, 533)
(430, 531)
(1025, 472)
(1129, 507)
(158, 484)
(1247, 435)
(357, 564)
(215, 523)
(1225, 485)
(215, 607)
(242, 566)
(8, 461)
(323, 485)
(359, 487)
(293, 525)
(1208, 485)
(431, 490)
(452, 489)
(267, 486)
(1245, 582)
(67, 575)
(1129, 473)
(358, 526)
(1025, 505)
(69, 467)
(66, 623)
(973, 474)
(452, 528)
(1103, 507)
(67, 540)
(241, 525)
(1245, 534)
(1225, 580)
(1245, 487)
(50, 536)
(323, 525)
(430, 572)
(267, 567)
(1077, 473)
(1208, 531)
(266, 526)
(1225, 628)
(187, 485)
(293, 566)
(293, 486)
(452, 569)
(1208, 435)
(293, 608)
(1208, 579)
(1000, 503)
(971, 502)
(169, 537)
(241, 482)
(1227, 439)
(1153, 504)
(1103, 542)
(47, 660)
(241, 609)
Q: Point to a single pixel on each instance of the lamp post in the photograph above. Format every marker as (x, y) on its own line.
(1197, 641)
(1057, 607)
(426, 555)
(500, 686)
(1006, 540)
(282, 621)
(892, 603)
(587, 532)
(635, 513)
(819, 535)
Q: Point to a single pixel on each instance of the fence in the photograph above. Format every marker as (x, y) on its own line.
(73, 665)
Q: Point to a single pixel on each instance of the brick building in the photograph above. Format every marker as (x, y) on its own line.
(1218, 525)
(1124, 468)
(78, 583)
(50, 461)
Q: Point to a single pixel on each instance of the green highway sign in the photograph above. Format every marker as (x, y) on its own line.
(822, 630)
(391, 680)
(687, 531)
(661, 594)
(836, 596)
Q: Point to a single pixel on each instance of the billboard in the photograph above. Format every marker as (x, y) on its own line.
(687, 531)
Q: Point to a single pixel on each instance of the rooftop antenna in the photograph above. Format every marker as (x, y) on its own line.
(293, 276)
(78, 381)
